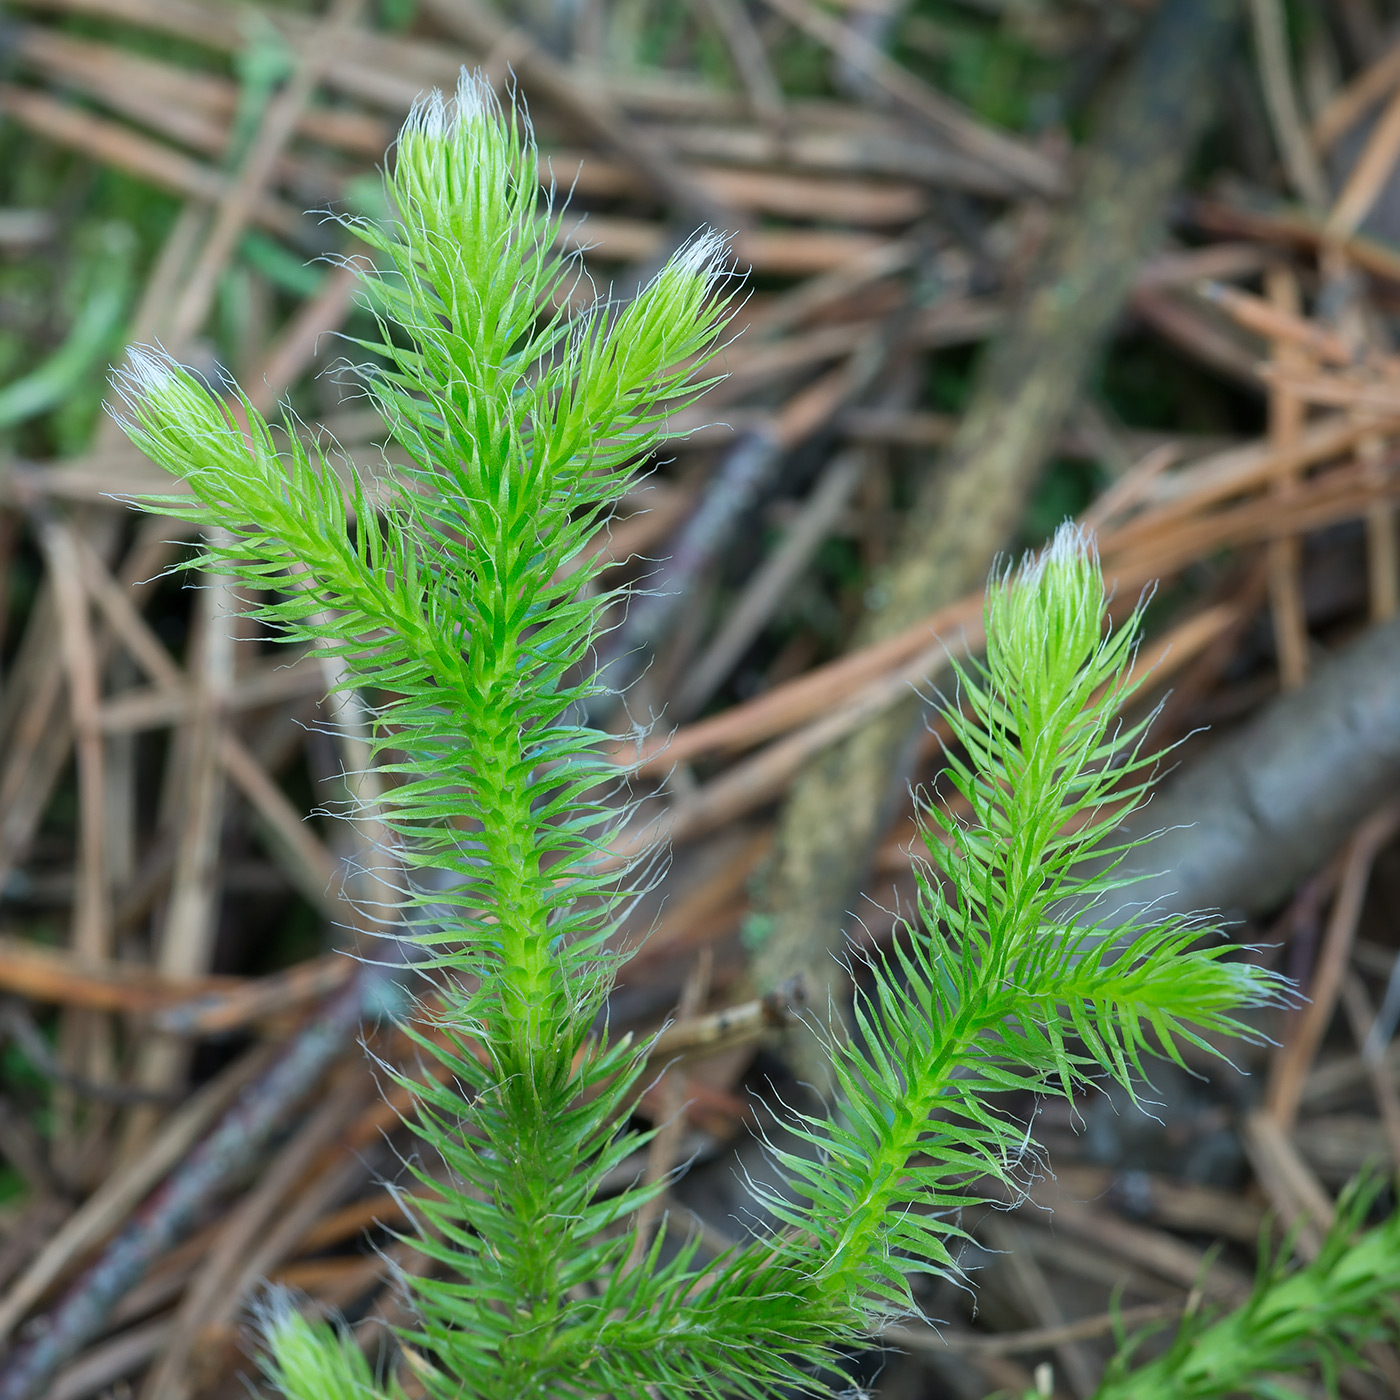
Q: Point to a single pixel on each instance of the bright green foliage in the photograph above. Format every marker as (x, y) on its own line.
(1317, 1315)
(1008, 983)
(313, 1363)
(466, 601)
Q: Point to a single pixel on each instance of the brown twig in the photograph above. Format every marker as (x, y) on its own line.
(1368, 177)
(177, 1005)
(1279, 319)
(113, 1202)
(244, 195)
(184, 945)
(109, 1361)
(542, 75)
(750, 56)
(1293, 228)
(93, 916)
(665, 1146)
(1304, 1036)
(1287, 415)
(1292, 1189)
(1299, 159)
(733, 491)
(766, 588)
(1361, 1015)
(1348, 104)
(211, 1292)
(1032, 1338)
(964, 132)
(169, 1213)
(1038, 1299)
(110, 143)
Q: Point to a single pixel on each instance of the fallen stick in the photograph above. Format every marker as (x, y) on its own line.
(1012, 157)
(1268, 806)
(174, 1207)
(1028, 382)
(111, 1203)
(153, 161)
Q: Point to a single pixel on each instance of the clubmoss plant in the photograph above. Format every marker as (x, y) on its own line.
(1318, 1315)
(467, 600)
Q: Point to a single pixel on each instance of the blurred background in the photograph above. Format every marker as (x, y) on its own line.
(997, 263)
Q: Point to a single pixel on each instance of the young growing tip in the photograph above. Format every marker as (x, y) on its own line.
(436, 121)
(149, 372)
(703, 257)
(1046, 624)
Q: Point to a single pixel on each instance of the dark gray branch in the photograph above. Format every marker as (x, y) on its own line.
(1248, 821)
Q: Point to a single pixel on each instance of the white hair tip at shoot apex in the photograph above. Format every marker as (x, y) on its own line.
(1071, 544)
(474, 98)
(704, 255)
(148, 371)
(148, 374)
(428, 117)
(436, 117)
(1072, 541)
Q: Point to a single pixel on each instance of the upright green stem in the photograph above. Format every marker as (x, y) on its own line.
(455, 602)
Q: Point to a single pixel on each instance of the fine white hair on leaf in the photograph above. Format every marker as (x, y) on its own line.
(1071, 542)
(272, 1309)
(148, 372)
(475, 98)
(429, 116)
(436, 117)
(703, 255)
